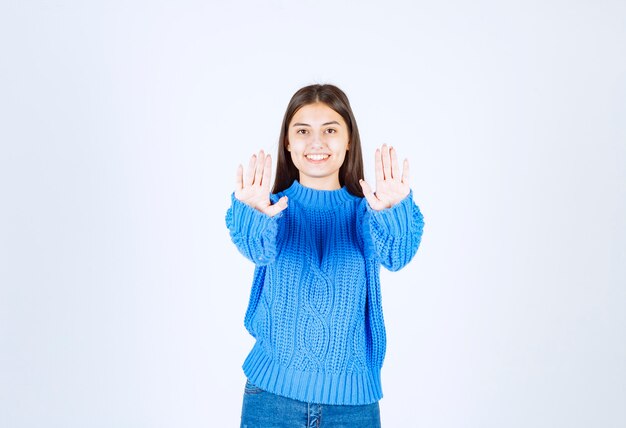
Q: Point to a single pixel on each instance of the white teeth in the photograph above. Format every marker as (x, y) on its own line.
(317, 157)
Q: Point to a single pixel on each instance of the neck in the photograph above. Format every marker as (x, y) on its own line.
(324, 183)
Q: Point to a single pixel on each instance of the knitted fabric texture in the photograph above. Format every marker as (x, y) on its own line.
(315, 304)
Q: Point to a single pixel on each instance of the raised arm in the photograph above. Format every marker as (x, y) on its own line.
(252, 218)
(392, 223)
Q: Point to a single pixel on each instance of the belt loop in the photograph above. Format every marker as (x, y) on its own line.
(314, 415)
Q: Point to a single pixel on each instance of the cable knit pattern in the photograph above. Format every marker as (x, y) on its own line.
(315, 304)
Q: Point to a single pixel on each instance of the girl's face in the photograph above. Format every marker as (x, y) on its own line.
(318, 140)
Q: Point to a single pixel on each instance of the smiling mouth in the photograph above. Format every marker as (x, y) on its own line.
(317, 157)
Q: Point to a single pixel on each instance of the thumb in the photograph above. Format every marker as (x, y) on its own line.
(369, 194)
(279, 206)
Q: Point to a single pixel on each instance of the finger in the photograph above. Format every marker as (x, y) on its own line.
(395, 169)
(267, 172)
(260, 166)
(369, 194)
(386, 162)
(279, 206)
(250, 172)
(378, 166)
(406, 172)
(239, 178)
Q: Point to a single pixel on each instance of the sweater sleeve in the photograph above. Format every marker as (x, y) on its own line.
(393, 235)
(253, 232)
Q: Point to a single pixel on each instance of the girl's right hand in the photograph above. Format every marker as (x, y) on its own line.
(253, 189)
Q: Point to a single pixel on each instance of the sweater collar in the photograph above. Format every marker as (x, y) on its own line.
(314, 198)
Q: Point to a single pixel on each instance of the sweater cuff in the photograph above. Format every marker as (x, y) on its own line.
(396, 220)
(253, 221)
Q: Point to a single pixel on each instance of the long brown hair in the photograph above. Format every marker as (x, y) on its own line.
(351, 170)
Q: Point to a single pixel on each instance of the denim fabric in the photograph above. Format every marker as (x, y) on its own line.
(262, 409)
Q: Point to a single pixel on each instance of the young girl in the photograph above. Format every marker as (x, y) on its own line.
(318, 241)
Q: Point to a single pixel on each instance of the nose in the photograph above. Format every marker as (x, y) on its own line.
(317, 140)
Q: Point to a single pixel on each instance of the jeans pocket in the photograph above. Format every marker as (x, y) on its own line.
(251, 388)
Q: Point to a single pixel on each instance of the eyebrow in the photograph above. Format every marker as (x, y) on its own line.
(334, 122)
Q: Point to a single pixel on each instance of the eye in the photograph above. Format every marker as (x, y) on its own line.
(301, 131)
(331, 130)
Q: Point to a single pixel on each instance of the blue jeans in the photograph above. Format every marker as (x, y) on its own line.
(262, 409)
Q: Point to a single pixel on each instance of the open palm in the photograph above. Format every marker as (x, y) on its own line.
(392, 185)
(253, 188)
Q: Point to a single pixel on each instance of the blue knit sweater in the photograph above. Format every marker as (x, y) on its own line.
(315, 304)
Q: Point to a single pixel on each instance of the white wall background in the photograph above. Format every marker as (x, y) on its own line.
(122, 123)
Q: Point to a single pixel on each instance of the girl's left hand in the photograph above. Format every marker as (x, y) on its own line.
(391, 186)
